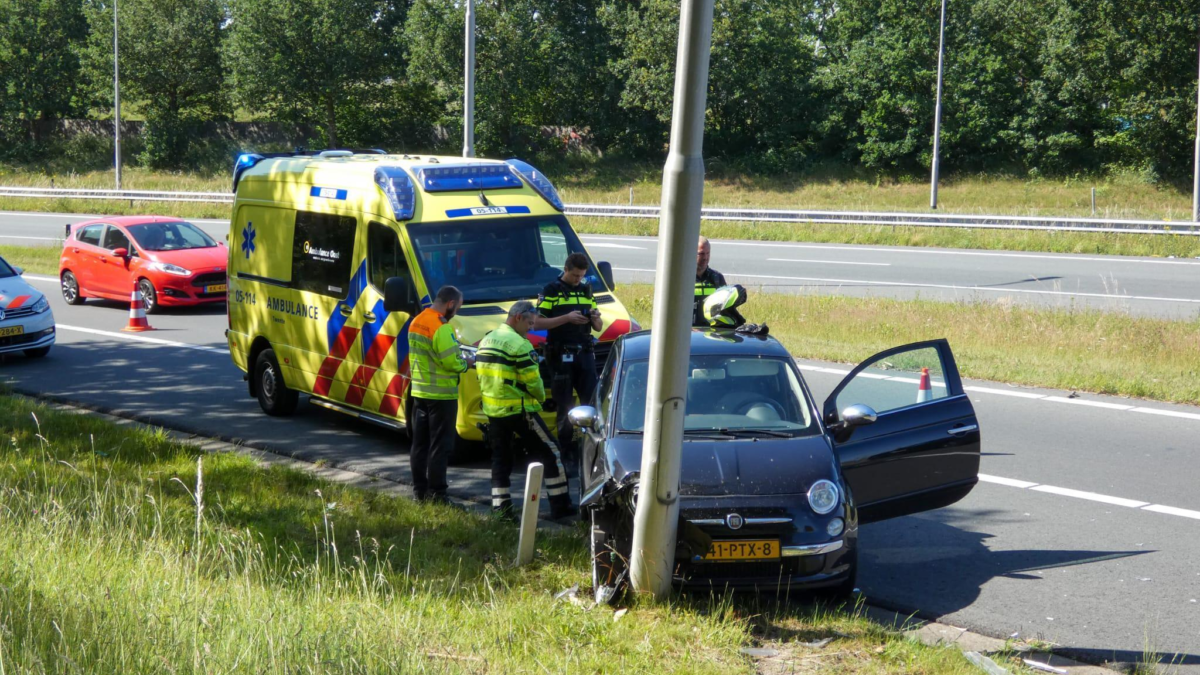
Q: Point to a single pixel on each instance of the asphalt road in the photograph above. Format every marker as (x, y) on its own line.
(1168, 288)
(1085, 531)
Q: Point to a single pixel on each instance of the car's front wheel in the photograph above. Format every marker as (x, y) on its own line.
(610, 547)
(274, 395)
(70, 289)
(149, 296)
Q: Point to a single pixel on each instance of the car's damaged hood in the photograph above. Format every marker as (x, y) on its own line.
(751, 466)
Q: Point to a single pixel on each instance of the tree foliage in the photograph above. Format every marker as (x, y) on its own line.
(39, 63)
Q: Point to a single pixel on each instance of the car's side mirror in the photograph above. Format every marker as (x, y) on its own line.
(606, 274)
(120, 252)
(398, 295)
(858, 415)
(19, 270)
(583, 416)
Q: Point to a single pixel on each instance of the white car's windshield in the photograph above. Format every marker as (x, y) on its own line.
(6, 270)
(499, 259)
(726, 393)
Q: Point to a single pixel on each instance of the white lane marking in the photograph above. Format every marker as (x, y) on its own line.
(38, 277)
(950, 287)
(1011, 482)
(600, 245)
(13, 236)
(829, 262)
(1003, 392)
(143, 338)
(930, 251)
(1172, 511)
(1167, 413)
(1094, 404)
(1090, 496)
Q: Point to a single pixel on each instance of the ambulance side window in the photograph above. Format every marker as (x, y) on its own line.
(322, 253)
(385, 256)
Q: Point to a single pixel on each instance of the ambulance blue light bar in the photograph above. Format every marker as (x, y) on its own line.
(461, 177)
(538, 181)
(398, 187)
(243, 163)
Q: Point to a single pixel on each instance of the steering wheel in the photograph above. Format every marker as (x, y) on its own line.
(740, 403)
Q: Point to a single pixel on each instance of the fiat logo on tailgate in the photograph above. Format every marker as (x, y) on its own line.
(734, 521)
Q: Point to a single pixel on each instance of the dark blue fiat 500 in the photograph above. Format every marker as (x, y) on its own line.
(774, 487)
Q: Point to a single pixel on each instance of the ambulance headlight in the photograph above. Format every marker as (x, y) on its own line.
(538, 181)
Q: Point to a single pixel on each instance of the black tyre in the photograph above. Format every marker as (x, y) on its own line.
(149, 296)
(38, 353)
(610, 549)
(274, 395)
(70, 289)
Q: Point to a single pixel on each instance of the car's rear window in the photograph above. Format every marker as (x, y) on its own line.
(725, 392)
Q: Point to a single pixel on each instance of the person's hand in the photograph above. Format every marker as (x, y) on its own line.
(578, 318)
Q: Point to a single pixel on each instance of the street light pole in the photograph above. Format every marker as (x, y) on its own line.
(116, 101)
(937, 113)
(1196, 183)
(656, 517)
(469, 89)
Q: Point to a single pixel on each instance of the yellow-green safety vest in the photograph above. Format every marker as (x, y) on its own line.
(434, 360)
(509, 381)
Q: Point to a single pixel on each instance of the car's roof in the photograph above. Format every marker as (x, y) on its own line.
(705, 341)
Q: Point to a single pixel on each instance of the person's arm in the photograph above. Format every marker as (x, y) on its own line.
(446, 351)
(529, 375)
(547, 322)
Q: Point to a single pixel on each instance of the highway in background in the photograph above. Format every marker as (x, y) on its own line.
(1167, 288)
(1084, 532)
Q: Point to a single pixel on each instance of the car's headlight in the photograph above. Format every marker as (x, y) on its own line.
(171, 269)
(823, 497)
(41, 305)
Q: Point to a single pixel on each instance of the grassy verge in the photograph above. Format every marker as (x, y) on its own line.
(609, 182)
(33, 259)
(120, 552)
(1101, 352)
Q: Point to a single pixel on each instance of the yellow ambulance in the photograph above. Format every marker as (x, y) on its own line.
(332, 253)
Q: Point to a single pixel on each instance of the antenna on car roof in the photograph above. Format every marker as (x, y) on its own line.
(483, 198)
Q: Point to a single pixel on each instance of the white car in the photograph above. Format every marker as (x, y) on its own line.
(26, 322)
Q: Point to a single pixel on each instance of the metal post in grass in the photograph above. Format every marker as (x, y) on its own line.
(1093, 202)
(937, 113)
(656, 516)
(116, 100)
(1196, 183)
(529, 513)
(469, 87)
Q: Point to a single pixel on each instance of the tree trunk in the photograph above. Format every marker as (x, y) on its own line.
(330, 124)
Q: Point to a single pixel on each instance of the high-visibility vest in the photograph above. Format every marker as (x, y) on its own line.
(434, 361)
(509, 381)
(706, 285)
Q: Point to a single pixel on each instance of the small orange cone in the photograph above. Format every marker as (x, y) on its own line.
(924, 393)
(137, 313)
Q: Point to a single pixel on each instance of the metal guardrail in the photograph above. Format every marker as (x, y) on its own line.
(912, 219)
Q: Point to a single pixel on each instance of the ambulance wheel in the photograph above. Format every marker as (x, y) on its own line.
(149, 296)
(274, 395)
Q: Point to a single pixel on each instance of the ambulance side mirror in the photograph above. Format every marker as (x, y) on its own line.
(606, 274)
(398, 296)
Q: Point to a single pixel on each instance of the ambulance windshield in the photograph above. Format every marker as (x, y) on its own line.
(497, 259)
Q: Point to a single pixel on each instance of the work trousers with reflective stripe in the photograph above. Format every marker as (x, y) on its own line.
(569, 379)
(528, 433)
(433, 439)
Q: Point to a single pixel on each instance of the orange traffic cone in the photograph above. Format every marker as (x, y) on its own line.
(137, 313)
(924, 393)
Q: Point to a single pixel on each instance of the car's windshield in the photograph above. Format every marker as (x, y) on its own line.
(173, 236)
(497, 259)
(729, 393)
(6, 270)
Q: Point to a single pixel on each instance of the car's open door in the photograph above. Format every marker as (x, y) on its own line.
(922, 451)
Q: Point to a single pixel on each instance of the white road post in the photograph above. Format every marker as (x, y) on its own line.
(937, 113)
(116, 101)
(655, 521)
(469, 88)
(529, 513)
(1196, 184)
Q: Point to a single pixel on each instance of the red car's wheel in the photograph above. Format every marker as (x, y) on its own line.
(149, 296)
(70, 289)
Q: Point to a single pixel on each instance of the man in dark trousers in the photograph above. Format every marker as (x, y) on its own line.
(568, 311)
(512, 391)
(435, 364)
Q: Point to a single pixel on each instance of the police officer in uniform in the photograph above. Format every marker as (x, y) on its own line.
(708, 281)
(568, 311)
(435, 364)
(512, 392)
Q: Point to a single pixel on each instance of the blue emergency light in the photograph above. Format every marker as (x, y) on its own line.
(399, 189)
(538, 181)
(461, 177)
(243, 163)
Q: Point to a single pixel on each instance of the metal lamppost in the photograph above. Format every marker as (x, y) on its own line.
(1196, 183)
(469, 89)
(655, 520)
(937, 114)
(116, 101)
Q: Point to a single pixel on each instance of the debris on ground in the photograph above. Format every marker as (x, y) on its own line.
(620, 613)
(986, 664)
(1044, 667)
(816, 644)
(759, 652)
